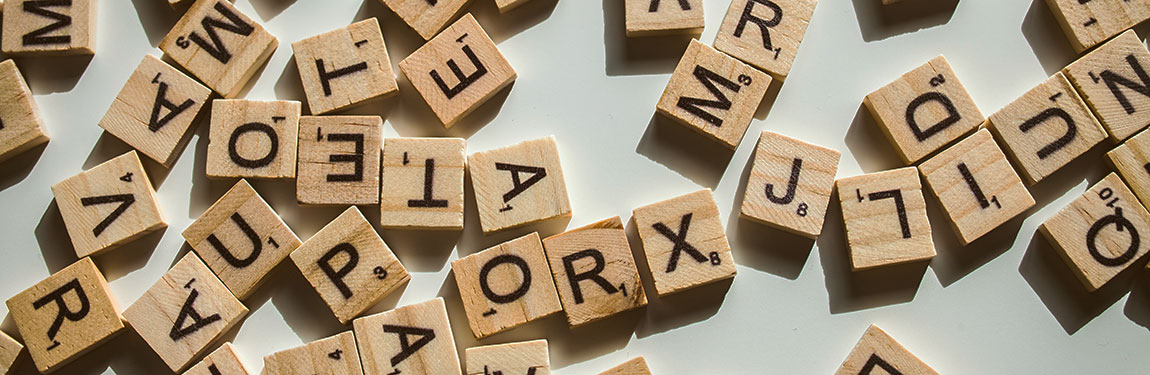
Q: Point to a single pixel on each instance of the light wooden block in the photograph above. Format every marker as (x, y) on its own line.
(426, 17)
(155, 110)
(21, 127)
(34, 27)
(976, 185)
(241, 239)
(635, 366)
(884, 214)
(517, 358)
(413, 340)
(790, 184)
(878, 353)
(344, 67)
(766, 34)
(422, 183)
(1099, 234)
(684, 242)
(339, 160)
(10, 350)
(664, 17)
(594, 271)
(1088, 23)
(1132, 161)
(457, 71)
(507, 5)
(349, 265)
(506, 286)
(519, 184)
(1111, 79)
(219, 45)
(109, 205)
(223, 361)
(253, 139)
(335, 355)
(714, 94)
(924, 110)
(1046, 128)
(184, 313)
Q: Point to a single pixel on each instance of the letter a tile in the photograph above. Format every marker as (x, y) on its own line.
(1114, 82)
(223, 361)
(35, 28)
(410, 340)
(527, 357)
(21, 127)
(885, 218)
(685, 242)
(506, 286)
(877, 353)
(253, 139)
(339, 160)
(219, 45)
(765, 33)
(790, 184)
(335, 355)
(594, 271)
(344, 67)
(519, 184)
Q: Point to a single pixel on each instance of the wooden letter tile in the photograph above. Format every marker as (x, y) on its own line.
(241, 239)
(349, 265)
(34, 27)
(219, 45)
(1088, 23)
(1131, 159)
(685, 242)
(10, 350)
(508, 5)
(519, 184)
(339, 160)
(924, 110)
(335, 355)
(1046, 128)
(635, 366)
(65, 315)
(1110, 79)
(427, 18)
(109, 205)
(790, 184)
(155, 109)
(664, 17)
(594, 271)
(885, 218)
(976, 185)
(765, 33)
(22, 127)
(184, 313)
(517, 358)
(1098, 234)
(422, 183)
(714, 94)
(411, 340)
(253, 139)
(458, 70)
(223, 361)
(878, 353)
(506, 286)
(344, 67)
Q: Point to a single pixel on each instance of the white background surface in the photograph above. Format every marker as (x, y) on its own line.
(1006, 304)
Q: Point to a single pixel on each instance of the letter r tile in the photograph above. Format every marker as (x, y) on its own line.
(594, 271)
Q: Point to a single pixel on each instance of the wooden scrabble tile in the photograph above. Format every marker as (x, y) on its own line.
(664, 17)
(508, 5)
(790, 184)
(253, 139)
(155, 109)
(339, 160)
(714, 94)
(594, 271)
(505, 286)
(427, 18)
(924, 110)
(528, 357)
(976, 185)
(335, 355)
(65, 315)
(1131, 159)
(109, 205)
(422, 183)
(241, 239)
(885, 218)
(1088, 23)
(413, 340)
(878, 353)
(765, 34)
(10, 350)
(349, 265)
(33, 27)
(1111, 80)
(463, 44)
(1046, 128)
(21, 127)
(219, 45)
(184, 313)
(1098, 233)
(519, 184)
(344, 67)
(223, 361)
(684, 242)
(635, 366)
